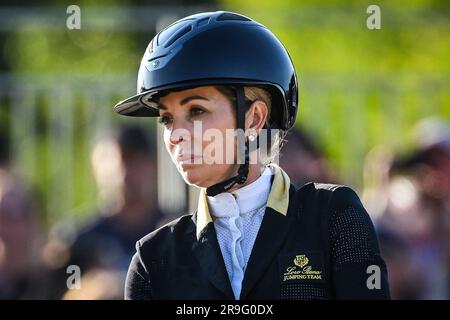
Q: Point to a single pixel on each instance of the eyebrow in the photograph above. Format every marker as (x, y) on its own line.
(184, 101)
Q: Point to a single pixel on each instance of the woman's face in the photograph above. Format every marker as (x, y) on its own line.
(211, 113)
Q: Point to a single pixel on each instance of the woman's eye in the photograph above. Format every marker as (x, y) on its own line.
(164, 120)
(195, 111)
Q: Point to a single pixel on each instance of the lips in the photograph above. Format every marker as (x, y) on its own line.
(188, 158)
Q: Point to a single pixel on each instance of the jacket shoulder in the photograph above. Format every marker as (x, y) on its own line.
(336, 195)
(165, 237)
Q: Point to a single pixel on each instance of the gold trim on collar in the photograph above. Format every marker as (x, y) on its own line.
(278, 198)
(203, 215)
(279, 194)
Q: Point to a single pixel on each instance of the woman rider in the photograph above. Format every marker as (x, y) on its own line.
(254, 235)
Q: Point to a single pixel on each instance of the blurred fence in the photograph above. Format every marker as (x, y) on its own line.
(54, 122)
(53, 125)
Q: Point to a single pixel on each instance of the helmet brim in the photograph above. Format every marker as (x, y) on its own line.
(134, 106)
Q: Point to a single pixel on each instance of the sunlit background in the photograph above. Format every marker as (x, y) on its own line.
(374, 114)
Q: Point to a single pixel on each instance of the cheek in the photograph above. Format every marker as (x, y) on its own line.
(222, 122)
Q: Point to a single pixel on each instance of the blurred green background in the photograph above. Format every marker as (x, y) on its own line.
(359, 88)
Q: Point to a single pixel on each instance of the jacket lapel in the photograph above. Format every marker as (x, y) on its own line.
(272, 233)
(209, 256)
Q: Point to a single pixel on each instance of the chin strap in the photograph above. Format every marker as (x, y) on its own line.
(243, 168)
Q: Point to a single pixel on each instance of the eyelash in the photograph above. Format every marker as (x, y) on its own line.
(195, 108)
(193, 112)
(163, 120)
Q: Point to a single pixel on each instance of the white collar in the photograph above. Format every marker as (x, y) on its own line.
(278, 199)
(242, 200)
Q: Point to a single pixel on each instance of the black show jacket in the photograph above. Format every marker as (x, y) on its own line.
(324, 247)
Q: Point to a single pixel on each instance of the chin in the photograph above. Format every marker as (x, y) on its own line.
(201, 175)
(195, 175)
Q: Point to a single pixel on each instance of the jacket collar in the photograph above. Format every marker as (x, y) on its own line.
(278, 199)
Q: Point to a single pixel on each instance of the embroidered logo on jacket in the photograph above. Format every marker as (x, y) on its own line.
(301, 260)
(302, 267)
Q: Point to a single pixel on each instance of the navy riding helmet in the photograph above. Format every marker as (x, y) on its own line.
(217, 48)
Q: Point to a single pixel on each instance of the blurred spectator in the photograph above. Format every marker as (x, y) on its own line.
(412, 196)
(22, 271)
(125, 172)
(99, 284)
(405, 276)
(303, 160)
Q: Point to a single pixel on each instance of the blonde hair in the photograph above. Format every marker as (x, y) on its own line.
(259, 94)
(253, 94)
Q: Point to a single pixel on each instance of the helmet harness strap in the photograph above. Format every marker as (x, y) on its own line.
(243, 167)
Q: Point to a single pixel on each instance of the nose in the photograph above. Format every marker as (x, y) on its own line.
(175, 138)
(180, 133)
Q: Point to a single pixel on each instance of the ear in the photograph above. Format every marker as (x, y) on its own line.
(256, 116)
